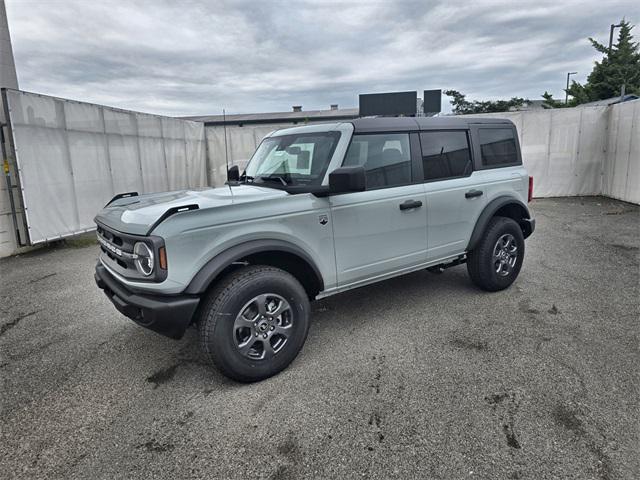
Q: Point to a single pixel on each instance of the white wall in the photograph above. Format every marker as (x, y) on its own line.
(73, 157)
(563, 149)
(621, 172)
(241, 143)
(581, 151)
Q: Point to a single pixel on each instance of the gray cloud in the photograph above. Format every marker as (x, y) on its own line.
(189, 58)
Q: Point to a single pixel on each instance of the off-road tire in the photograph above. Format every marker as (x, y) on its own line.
(480, 264)
(221, 306)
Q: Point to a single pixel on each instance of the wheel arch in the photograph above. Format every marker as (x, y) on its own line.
(276, 253)
(503, 206)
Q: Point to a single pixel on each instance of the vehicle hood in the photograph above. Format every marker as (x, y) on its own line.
(139, 215)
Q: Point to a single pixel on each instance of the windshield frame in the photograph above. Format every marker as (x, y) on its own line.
(274, 180)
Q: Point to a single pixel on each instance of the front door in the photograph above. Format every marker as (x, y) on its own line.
(383, 229)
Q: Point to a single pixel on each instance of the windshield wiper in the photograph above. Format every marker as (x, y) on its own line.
(273, 178)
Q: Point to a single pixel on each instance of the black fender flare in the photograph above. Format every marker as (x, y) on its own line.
(525, 221)
(207, 274)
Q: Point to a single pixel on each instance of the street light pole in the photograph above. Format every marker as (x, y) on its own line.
(611, 35)
(566, 91)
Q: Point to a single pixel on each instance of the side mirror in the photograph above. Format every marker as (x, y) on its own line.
(233, 174)
(347, 179)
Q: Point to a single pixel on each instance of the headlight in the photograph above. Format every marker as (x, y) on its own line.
(144, 260)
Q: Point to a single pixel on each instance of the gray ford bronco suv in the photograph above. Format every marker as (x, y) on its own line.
(319, 209)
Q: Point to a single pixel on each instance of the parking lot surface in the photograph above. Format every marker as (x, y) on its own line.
(422, 376)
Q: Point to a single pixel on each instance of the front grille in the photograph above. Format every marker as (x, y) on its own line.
(114, 240)
(117, 253)
(110, 236)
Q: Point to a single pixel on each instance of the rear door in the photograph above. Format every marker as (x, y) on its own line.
(383, 229)
(454, 200)
(498, 161)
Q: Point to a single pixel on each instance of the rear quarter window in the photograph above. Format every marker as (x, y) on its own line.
(498, 147)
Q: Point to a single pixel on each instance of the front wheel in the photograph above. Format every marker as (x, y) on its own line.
(495, 262)
(254, 323)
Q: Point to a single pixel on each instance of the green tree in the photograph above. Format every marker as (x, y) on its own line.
(462, 106)
(618, 67)
(550, 102)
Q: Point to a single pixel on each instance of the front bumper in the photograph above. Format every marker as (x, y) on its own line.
(168, 315)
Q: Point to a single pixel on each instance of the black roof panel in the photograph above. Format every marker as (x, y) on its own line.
(278, 117)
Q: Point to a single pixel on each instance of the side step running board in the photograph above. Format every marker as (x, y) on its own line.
(442, 266)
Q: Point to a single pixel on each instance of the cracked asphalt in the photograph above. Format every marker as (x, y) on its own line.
(422, 376)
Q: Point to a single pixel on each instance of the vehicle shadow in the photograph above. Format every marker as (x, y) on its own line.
(339, 315)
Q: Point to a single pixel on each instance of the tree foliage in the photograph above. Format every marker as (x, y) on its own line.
(618, 67)
(462, 106)
(550, 102)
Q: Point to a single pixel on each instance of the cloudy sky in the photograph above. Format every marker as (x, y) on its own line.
(190, 57)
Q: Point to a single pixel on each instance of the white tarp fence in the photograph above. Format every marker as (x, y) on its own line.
(621, 173)
(73, 157)
(581, 151)
(241, 143)
(563, 149)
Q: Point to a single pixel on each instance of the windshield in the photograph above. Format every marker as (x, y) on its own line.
(292, 160)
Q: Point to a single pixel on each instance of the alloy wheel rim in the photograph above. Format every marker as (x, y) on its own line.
(263, 326)
(505, 255)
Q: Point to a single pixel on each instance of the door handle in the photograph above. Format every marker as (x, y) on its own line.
(473, 193)
(409, 204)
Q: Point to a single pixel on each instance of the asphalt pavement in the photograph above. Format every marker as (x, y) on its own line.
(421, 376)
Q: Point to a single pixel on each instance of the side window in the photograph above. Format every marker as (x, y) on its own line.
(385, 156)
(498, 147)
(445, 155)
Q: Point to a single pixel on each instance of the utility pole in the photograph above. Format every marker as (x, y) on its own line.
(611, 35)
(566, 90)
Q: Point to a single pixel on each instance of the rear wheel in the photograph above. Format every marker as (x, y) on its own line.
(254, 323)
(496, 261)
